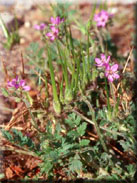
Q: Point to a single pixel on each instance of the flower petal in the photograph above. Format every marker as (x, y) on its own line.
(42, 26)
(49, 34)
(52, 20)
(106, 73)
(58, 20)
(107, 61)
(22, 83)
(116, 76)
(54, 29)
(97, 60)
(114, 67)
(26, 88)
(52, 38)
(110, 78)
(9, 84)
(103, 57)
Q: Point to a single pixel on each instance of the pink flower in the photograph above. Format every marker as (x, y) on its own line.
(40, 27)
(26, 88)
(56, 21)
(53, 34)
(16, 83)
(102, 18)
(13, 83)
(22, 85)
(103, 61)
(111, 72)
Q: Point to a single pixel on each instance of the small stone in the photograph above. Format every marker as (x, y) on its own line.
(7, 18)
(22, 5)
(22, 41)
(27, 24)
(10, 21)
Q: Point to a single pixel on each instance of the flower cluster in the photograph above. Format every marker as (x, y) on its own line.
(40, 27)
(16, 83)
(110, 71)
(55, 22)
(102, 18)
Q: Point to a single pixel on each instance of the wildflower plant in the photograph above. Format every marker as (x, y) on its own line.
(84, 116)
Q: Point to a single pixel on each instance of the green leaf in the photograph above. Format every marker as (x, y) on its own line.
(81, 129)
(21, 140)
(53, 155)
(58, 128)
(125, 144)
(73, 134)
(48, 128)
(75, 165)
(7, 135)
(84, 142)
(73, 120)
(34, 46)
(4, 92)
(66, 147)
(114, 177)
(47, 167)
(40, 52)
(17, 99)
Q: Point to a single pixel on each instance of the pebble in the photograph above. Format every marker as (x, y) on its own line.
(22, 41)
(10, 21)
(27, 24)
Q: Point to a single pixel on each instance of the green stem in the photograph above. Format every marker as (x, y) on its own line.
(71, 43)
(67, 38)
(100, 40)
(68, 93)
(61, 97)
(64, 65)
(84, 79)
(5, 31)
(88, 63)
(114, 98)
(77, 76)
(96, 124)
(56, 103)
(108, 102)
(74, 75)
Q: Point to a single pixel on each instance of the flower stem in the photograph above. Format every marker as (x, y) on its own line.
(56, 103)
(108, 102)
(68, 93)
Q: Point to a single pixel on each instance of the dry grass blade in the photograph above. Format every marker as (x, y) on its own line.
(22, 62)
(125, 66)
(14, 127)
(5, 71)
(17, 115)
